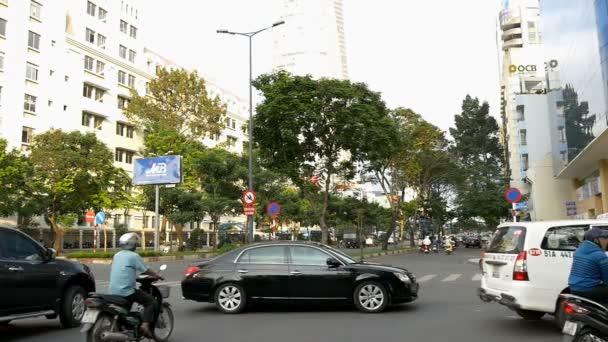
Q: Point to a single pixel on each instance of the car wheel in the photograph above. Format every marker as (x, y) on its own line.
(589, 335)
(230, 298)
(72, 306)
(371, 297)
(529, 315)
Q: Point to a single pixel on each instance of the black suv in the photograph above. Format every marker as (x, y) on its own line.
(472, 242)
(34, 283)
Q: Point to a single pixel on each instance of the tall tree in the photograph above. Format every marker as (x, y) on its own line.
(478, 150)
(15, 174)
(578, 122)
(71, 172)
(305, 124)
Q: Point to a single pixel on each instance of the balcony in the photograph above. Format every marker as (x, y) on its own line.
(95, 107)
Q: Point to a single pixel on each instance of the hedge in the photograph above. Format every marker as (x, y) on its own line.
(107, 255)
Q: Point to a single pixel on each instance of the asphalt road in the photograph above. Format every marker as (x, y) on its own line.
(446, 310)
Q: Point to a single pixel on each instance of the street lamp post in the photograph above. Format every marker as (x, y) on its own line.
(250, 35)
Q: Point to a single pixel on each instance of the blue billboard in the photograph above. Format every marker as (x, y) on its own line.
(158, 170)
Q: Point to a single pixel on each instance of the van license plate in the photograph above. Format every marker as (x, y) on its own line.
(90, 316)
(570, 328)
(495, 274)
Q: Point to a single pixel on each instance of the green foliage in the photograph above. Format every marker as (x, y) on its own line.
(121, 229)
(194, 242)
(479, 154)
(178, 102)
(306, 125)
(225, 248)
(15, 175)
(578, 122)
(107, 255)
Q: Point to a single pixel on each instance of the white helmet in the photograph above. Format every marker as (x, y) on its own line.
(129, 241)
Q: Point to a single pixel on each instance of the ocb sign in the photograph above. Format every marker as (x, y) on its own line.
(522, 68)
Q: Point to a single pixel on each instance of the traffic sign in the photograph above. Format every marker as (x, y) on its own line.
(513, 195)
(521, 206)
(248, 197)
(100, 218)
(273, 209)
(89, 217)
(249, 210)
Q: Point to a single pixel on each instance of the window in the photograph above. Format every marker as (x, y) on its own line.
(90, 36)
(122, 77)
(147, 85)
(521, 112)
(35, 10)
(116, 219)
(564, 238)
(302, 255)
(93, 92)
(231, 141)
(31, 72)
(524, 161)
(123, 102)
(124, 129)
(123, 155)
(27, 133)
(122, 52)
(132, 56)
(131, 81)
(88, 63)
(264, 255)
(91, 8)
(123, 26)
(523, 139)
(508, 240)
(33, 40)
(133, 32)
(15, 246)
(130, 131)
(101, 66)
(97, 123)
(102, 14)
(2, 27)
(562, 134)
(101, 41)
(30, 103)
(86, 119)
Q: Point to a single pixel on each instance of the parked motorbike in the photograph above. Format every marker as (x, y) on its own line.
(115, 318)
(586, 320)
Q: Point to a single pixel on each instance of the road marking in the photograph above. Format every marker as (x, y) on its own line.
(452, 277)
(476, 277)
(426, 278)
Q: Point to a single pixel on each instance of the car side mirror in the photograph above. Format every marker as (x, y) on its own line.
(50, 254)
(332, 262)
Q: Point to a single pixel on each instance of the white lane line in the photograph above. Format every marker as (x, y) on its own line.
(452, 277)
(426, 278)
(476, 277)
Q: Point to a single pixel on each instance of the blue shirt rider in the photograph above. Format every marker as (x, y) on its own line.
(589, 273)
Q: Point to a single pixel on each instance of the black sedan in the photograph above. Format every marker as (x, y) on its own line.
(296, 271)
(473, 242)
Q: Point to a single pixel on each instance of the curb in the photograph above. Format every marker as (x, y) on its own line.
(383, 253)
(107, 261)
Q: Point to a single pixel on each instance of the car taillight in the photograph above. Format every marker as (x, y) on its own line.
(191, 270)
(571, 308)
(520, 271)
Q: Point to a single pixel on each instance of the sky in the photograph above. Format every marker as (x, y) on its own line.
(420, 54)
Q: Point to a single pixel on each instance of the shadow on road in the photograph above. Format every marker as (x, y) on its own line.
(13, 332)
(302, 308)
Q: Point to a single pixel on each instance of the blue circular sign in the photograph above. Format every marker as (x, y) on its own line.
(273, 209)
(100, 218)
(513, 195)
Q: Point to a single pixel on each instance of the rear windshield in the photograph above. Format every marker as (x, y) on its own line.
(508, 240)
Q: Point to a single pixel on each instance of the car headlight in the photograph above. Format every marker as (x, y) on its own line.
(403, 277)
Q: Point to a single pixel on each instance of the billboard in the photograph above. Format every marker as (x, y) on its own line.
(158, 170)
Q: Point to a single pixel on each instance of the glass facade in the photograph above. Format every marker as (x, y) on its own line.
(575, 34)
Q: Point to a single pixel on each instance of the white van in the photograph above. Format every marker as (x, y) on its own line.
(527, 264)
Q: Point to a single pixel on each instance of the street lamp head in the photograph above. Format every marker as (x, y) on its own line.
(223, 31)
(278, 23)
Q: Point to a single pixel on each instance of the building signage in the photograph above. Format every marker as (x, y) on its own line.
(158, 170)
(571, 208)
(522, 68)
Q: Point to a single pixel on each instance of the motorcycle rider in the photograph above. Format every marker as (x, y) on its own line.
(125, 264)
(589, 273)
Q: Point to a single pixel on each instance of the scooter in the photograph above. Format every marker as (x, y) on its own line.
(586, 320)
(449, 249)
(435, 249)
(425, 249)
(115, 318)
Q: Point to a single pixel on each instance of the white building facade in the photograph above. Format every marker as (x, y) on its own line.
(533, 122)
(312, 39)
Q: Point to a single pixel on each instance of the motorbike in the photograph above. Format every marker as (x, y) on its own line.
(435, 249)
(449, 250)
(115, 318)
(586, 320)
(425, 249)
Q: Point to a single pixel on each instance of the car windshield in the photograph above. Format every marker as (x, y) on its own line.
(508, 240)
(343, 256)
